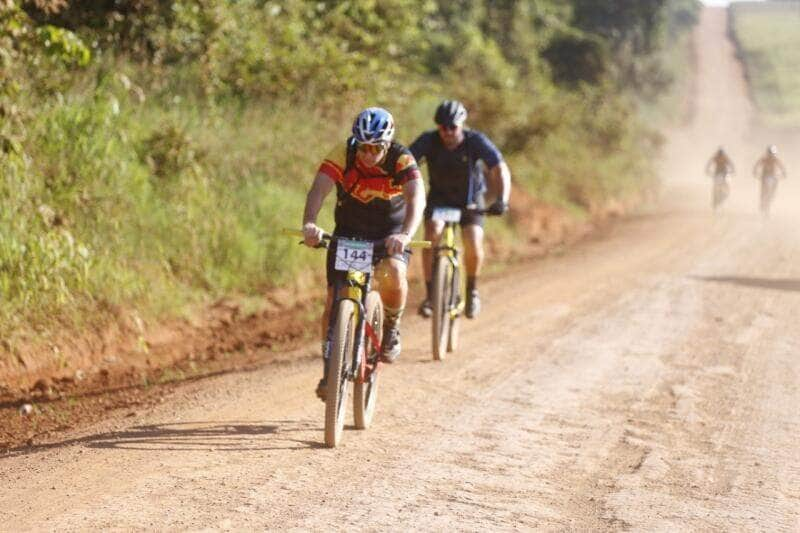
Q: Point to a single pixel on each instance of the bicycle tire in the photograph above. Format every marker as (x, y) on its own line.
(767, 195)
(454, 329)
(365, 395)
(440, 325)
(341, 348)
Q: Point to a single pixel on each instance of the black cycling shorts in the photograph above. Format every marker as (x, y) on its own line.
(468, 218)
(379, 254)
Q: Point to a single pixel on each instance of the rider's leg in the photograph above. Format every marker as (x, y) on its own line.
(326, 315)
(472, 236)
(390, 273)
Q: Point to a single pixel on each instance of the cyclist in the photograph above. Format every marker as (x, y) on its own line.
(379, 195)
(720, 164)
(769, 170)
(454, 154)
(719, 167)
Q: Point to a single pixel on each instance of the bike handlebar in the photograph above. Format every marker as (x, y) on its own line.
(332, 238)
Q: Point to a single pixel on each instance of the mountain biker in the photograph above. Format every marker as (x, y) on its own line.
(719, 167)
(453, 154)
(720, 164)
(769, 166)
(769, 170)
(379, 196)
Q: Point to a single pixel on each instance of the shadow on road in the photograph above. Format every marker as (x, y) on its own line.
(778, 284)
(234, 436)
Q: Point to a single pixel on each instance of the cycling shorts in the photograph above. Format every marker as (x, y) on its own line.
(468, 217)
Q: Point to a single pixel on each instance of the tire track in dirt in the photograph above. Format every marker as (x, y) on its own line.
(647, 380)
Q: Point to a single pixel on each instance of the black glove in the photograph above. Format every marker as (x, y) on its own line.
(497, 208)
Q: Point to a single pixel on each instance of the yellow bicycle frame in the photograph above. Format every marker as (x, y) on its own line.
(353, 290)
(447, 249)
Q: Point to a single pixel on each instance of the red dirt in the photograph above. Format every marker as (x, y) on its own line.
(130, 365)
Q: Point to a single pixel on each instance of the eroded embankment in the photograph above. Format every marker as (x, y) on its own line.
(130, 365)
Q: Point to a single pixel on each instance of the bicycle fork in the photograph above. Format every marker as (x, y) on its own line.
(353, 290)
(457, 304)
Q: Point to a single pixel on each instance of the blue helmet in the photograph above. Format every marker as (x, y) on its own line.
(374, 125)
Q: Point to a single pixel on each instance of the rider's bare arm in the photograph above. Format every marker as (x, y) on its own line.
(782, 168)
(414, 195)
(500, 176)
(320, 189)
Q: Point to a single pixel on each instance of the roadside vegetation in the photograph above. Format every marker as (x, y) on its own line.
(151, 151)
(768, 40)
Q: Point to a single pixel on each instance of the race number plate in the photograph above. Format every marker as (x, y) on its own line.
(446, 214)
(353, 255)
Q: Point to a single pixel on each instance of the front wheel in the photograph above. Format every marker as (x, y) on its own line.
(441, 294)
(721, 190)
(365, 394)
(341, 350)
(768, 186)
(455, 304)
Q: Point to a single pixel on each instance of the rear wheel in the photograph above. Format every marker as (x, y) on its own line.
(365, 395)
(341, 349)
(441, 289)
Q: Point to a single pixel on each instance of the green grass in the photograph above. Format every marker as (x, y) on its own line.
(768, 36)
(153, 207)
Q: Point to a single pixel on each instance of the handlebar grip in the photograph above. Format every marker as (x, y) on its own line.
(420, 244)
(299, 233)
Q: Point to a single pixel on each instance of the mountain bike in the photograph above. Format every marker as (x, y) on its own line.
(768, 186)
(352, 350)
(446, 292)
(720, 190)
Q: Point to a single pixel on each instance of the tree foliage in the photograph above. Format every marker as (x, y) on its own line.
(145, 145)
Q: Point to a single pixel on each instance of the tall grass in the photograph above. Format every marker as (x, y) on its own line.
(161, 202)
(768, 37)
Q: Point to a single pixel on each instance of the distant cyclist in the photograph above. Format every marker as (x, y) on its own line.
(379, 195)
(455, 156)
(769, 170)
(720, 167)
(720, 164)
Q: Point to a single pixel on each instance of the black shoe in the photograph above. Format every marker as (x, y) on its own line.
(391, 344)
(473, 307)
(425, 308)
(322, 389)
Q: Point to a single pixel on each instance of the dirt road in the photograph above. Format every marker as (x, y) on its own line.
(645, 380)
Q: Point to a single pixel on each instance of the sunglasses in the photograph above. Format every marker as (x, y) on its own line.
(373, 149)
(450, 127)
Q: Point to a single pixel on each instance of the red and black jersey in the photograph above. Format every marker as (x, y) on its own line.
(369, 200)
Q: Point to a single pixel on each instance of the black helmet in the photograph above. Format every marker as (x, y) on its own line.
(450, 113)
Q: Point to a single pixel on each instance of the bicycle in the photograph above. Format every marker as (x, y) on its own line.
(446, 297)
(355, 330)
(769, 184)
(720, 190)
